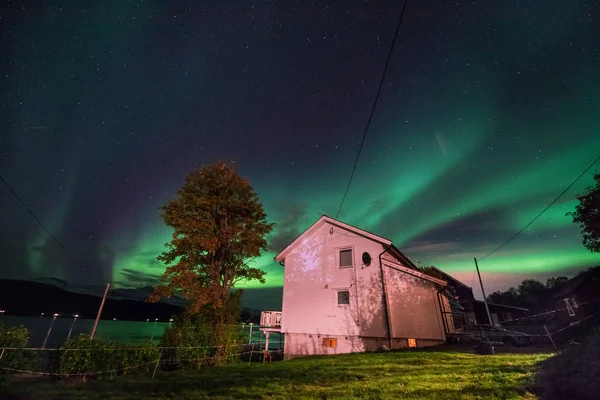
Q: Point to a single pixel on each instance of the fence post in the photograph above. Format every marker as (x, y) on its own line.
(157, 362)
(2, 354)
(251, 351)
(550, 337)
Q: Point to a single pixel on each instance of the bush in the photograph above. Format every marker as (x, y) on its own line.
(193, 342)
(99, 358)
(14, 338)
(574, 373)
(194, 345)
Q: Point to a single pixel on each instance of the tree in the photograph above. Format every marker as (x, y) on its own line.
(556, 284)
(530, 294)
(219, 226)
(510, 298)
(587, 215)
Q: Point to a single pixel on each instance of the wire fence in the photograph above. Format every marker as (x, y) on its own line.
(53, 330)
(50, 362)
(557, 332)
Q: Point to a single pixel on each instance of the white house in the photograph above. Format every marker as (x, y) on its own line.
(347, 290)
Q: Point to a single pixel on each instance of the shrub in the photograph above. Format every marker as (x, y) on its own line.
(208, 337)
(194, 345)
(14, 338)
(100, 358)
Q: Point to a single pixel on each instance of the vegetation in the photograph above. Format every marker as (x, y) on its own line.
(587, 215)
(531, 294)
(100, 359)
(394, 375)
(13, 338)
(219, 226)
(573, 374)
(196, 341)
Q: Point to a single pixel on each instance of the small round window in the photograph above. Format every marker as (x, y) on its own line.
(366, 258)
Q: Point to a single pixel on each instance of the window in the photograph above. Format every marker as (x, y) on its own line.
(329, 342)
(412, 342)
(506, 316)
(343, 297)
(569, 308)
(346, 258)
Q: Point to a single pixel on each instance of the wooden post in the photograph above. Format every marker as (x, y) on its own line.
(251, 352)
(483, 292)
(266, 346)
(157, 362)
(250, 338)
(99, 311)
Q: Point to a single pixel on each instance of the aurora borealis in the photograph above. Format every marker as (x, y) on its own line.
(487, 113)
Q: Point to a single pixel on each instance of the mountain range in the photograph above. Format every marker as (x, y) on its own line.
(56, 296)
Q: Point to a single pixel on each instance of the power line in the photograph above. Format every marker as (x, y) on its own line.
(387, 63)
(543, 211)
(40, 222)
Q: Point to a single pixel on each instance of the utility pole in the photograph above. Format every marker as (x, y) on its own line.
(99, 312)
(487, 309)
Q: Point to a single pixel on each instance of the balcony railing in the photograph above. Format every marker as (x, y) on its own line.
(270, 319)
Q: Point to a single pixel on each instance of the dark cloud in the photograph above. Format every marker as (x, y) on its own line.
(288, 227)
(132, 278)
(472, 231)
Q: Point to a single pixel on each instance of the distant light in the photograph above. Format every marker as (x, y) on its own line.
(147, 319)
(55, 315)
(156, 320)
(1, 311)
(76, 316)
(114, 319)
(171, 320)
(42, 314)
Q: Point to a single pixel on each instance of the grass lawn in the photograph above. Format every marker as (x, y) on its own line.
(394, 375)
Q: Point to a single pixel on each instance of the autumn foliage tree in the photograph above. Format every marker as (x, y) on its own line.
(219, 226)
(587, 215)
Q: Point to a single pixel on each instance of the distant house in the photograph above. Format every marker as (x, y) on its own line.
(348, 290)
(471, 311)
(580, 297)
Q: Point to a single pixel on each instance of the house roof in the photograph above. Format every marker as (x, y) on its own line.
(410, 271)
(574, 284)
(323, 220)
(334, 222)
(503, 305)
(451, 278)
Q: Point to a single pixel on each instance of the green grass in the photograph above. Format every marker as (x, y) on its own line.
(404, 374)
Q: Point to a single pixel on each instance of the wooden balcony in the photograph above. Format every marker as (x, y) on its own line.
(270, 320)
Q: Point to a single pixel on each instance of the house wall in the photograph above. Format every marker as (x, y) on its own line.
(414, 306)
(582, 310)
(312, 279)
(304, 344)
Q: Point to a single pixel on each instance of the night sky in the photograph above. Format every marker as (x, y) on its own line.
(488, 111)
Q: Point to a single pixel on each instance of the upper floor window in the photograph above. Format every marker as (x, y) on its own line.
(346, 258)
(343, 297)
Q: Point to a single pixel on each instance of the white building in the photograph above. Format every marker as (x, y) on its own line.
(347, 290)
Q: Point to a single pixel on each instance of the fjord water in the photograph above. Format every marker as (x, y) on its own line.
(132, 332)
